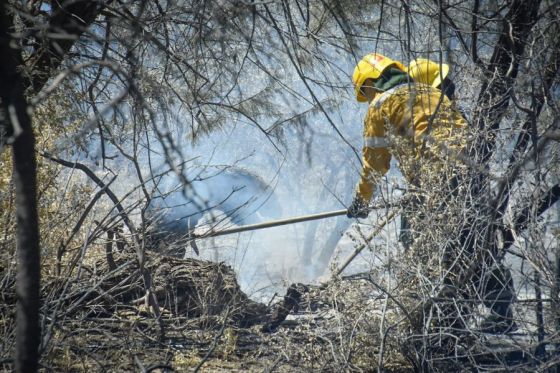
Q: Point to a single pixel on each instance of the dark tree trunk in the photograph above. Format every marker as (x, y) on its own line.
(28, 270)
(502, 71)
(17, 121)
(494, 98)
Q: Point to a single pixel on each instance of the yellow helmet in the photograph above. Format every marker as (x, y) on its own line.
(371, 67)
(428, 72)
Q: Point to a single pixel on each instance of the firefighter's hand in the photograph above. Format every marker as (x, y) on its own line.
(358, 209)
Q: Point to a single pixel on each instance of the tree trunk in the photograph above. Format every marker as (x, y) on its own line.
(18, 123)
(502, 71)
(28, 270)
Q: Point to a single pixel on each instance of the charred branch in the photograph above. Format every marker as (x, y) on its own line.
(140, 255)
(68, 22)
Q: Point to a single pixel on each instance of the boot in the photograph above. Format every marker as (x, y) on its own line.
(500, 320)
(499, 295)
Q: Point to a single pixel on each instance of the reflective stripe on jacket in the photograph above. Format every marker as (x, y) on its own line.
(412, 122)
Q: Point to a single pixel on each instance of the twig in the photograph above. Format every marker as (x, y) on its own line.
(78, 225)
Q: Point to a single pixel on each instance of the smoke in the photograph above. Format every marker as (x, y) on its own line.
(313, 173)
(239, 175)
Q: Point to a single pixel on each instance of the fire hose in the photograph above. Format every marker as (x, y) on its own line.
(299, 219)
(274, 223)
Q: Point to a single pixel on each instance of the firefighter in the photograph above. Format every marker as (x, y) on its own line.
(401, 112)
(420, 127)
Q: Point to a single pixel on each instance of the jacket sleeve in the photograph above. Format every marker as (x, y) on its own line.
(375, 153)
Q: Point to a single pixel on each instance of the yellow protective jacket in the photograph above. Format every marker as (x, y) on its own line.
(415, 123)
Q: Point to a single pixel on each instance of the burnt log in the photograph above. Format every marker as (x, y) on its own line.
(185, 288)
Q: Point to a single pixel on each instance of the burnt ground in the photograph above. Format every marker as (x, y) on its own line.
(100, 319)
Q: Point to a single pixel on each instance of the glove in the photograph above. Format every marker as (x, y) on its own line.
(358, 209)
